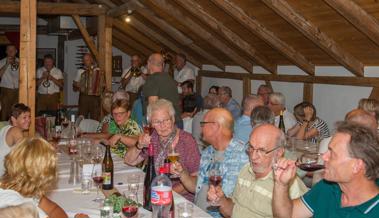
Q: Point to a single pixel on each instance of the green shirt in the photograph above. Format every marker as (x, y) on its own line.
(324, 201)
(130, 128)
(252, 197)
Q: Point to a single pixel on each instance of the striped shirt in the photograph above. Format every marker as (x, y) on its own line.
(322, 128)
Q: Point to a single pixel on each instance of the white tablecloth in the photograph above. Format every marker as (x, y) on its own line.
(72, 201)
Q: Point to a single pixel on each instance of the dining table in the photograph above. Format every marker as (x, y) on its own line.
(74, 201)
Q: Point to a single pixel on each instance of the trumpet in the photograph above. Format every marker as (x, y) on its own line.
(46, 83)
(135, 71)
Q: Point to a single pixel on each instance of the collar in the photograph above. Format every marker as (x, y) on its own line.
(269, 176)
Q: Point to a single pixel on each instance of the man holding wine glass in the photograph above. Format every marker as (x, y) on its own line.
(350, 186)
(253, 192)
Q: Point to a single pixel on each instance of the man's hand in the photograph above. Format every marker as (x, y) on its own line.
(284, 171)
(215, 193)
(308, 113)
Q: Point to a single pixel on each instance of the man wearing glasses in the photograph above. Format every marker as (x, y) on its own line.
(253, 192)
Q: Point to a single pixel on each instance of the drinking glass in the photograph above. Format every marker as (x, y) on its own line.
(185, 210)
(97, 155)
(310, 162)
(97, 177)
(215, 178)
(133, 184)
(130, 210)
(147, 127)
(173, 156)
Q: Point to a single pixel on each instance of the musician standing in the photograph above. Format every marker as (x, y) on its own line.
(9, 74)
(133, 78)
(90, 82)
(49, 83)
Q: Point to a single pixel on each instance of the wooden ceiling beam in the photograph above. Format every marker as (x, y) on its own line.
(126, 48)
(201, 32)
(319, 38)
(266, 35)
(332, 80)
(119, 10)
(107, 3)
(174, 33)
(86, 37)
(199, 12)
(130, 41)
(363, 21)
(152, 34)
(48, 8)
(142, 39)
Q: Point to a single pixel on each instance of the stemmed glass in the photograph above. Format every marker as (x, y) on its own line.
(215, 177)
(130, 210)
(133, 184)
(147, 127)
(310, 162)
(97, 155)
(97, 177)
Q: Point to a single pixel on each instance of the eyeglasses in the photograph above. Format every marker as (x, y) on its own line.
(260, 151)
(202, 123)
(119, 114)
(273, 104)
(160, 122)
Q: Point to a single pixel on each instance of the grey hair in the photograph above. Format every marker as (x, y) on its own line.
(161, 104)
(227, 90)
(261, 115)
(211, 101)
(120, 95)
(278, 98)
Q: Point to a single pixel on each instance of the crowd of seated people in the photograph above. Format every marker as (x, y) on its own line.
(257, 179)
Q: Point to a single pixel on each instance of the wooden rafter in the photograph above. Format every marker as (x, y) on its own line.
(48, 8)
(28, 34)
(333, 80)
(130, 41)
(308, 92)
(137, 36)
(318, 37)
(176, 34)
(363, 21)
(104, 37)
(126, 48)
(266, 35)
(198, 11)
(119, 10)
(203, 33)
(152, 34)
(107, 3)
(86, 37)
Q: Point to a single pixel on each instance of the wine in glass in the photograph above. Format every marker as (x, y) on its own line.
(147, 127)
(97, 177)
(310, 162)
(97, 155)
(130, 209)
(215, 178)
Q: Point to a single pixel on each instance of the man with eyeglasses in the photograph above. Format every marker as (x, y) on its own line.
(252, 195)
(277, 103)
(217, 130)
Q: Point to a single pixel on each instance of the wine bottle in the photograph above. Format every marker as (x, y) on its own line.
(149, 176)
(281, 122)
(108, 169)
(58, 120)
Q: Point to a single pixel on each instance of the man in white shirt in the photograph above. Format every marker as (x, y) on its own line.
(133, 78)
(9, 74)
(277, 103)
(182, 71)
(49, 84)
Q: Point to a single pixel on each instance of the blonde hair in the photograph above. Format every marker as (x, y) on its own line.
(25, 210)
(30, 168)
(370, 105)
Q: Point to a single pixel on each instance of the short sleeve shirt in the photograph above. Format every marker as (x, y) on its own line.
(234, 108)
(135, 82)
(52, 88)
(10, 77)
(186, 73)
(242, 128)
(324, 201)
(253, 197)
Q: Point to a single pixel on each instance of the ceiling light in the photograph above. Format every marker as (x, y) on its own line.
(127, 19)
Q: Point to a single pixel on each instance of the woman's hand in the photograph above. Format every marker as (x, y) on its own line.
(144, 140)
(308, 113)
(113, 140)
(176, 168)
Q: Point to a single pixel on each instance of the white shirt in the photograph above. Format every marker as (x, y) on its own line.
(10, 77)
(135, 82)
(4, 147)
(289, 120)
(186, 73)
(53, 88)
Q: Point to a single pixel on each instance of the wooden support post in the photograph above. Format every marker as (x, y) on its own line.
(268, 83)
(308, 92)
(27, 85)
(198, 84)
(246, 87)
(104, 33)
(86, 37)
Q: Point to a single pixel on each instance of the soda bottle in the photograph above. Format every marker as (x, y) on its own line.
(161, 195)
(149, 176)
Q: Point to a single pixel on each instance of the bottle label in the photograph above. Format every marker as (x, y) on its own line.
(58, 128)
(107, 178)
(161, 195)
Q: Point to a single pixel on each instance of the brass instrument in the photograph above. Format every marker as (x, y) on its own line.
(135, 71)
(14, 65)
(46, 83)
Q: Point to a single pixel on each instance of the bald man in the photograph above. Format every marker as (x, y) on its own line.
(90, 82)
(217, 130)
(160, 85)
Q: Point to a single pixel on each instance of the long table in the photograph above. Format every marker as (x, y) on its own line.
(70, 198)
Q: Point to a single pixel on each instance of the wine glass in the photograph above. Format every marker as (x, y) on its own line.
(130, 210)
(133, 184)
(173, 156)
(215, 178)
(97, 155)
(97, 177)
(310, 162)
(147, 127)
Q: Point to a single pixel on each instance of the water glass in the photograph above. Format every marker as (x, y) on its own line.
(133, 184)
(86, 184)
(185, 210)
(106, 211)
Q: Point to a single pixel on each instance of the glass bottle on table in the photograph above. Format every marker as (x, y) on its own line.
(108, 169)
(281, 123)
(72, 147)
(149, 176)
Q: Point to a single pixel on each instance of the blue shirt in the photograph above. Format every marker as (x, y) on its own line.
(234, 108)
(242, 128)
(324, 201)
(235, 158)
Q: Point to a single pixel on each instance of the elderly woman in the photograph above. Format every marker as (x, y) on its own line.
(370, 105)
(31, 170)
(308, 126)
(164, 136)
